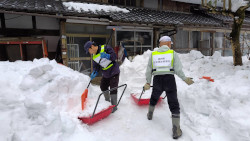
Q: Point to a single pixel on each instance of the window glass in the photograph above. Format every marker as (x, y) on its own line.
(181, 39)
(126, 36)
(143, 37)
(228, 44)
(218, 40)
(228, 53)
(135, 42)
(80, 41)
(195, 36)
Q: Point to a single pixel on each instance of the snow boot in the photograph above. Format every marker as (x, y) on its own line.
(150, 112)
(107, 96)
(114, 101)
(176, 126)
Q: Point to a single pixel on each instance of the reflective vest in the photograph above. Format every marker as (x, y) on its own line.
(104, 63)
(163, 61)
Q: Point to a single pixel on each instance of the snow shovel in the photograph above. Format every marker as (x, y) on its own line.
(207, 78)
(143, 101)
(104, 113)
(84, 95)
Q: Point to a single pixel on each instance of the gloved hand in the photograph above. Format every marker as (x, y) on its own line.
(93, 75)
(105, 55)
(146, 86)
(189, 81)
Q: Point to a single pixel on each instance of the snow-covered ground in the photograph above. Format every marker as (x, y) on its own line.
(40, 100)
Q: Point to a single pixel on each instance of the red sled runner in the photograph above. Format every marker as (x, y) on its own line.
(104, 113)
(143, 101)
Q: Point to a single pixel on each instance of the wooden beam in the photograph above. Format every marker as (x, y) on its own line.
(142, 3)
(212, 43)
(174, 45)
(3, 26)
(34, 22)
(189, 38)
(184, 49)
(87, 35)
(224, 44)
(63, 42)
(79, 59)
(156, 34)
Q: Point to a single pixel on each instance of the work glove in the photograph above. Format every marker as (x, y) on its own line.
(105, 55)
(93, 75)
(146, 86)
(189, 81)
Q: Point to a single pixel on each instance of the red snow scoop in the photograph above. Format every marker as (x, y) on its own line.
(84, 95)
(207, 78)
(104, 113)
(143, 101)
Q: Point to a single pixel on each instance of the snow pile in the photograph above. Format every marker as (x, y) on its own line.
(41, 99)
(210, 109)
(93, 7)
(219, 107)
(133, 73)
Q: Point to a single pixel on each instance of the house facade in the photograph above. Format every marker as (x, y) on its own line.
(66, 25)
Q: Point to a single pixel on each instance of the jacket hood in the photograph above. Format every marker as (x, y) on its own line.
(163, 48)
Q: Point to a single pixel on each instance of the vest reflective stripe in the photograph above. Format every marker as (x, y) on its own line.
(163, 61)
(105, 63)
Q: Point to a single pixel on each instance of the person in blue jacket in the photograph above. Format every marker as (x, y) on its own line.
(104, 59)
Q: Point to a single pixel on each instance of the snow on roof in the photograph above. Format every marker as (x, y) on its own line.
(235, 3)
(93, 7)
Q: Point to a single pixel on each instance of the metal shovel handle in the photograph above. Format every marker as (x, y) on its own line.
(108, 91)
(144, 91)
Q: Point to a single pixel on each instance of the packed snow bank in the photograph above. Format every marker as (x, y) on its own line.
(41, 99)
(209, 109)
(93, 7)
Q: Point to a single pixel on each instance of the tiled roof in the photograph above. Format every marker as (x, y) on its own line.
(136, 15)
(225, 18)
(142, 15)
(40, 6)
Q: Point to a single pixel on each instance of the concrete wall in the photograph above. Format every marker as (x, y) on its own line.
(47, 23)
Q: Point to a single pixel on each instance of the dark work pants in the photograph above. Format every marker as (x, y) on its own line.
(165, 83)
(111, 82)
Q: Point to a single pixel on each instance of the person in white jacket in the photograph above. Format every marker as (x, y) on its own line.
(163, 64)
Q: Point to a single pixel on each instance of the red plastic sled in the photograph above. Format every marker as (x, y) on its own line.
(104, 113)
(143, 101)
(101, 115)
